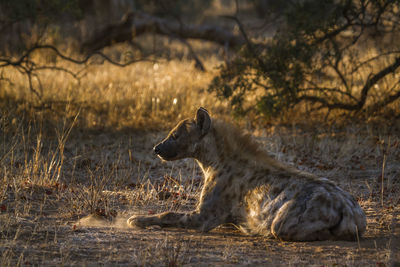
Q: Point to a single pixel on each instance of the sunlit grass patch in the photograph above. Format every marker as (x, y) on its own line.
(145, 95)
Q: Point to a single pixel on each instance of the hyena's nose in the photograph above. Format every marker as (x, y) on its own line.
(157, 149)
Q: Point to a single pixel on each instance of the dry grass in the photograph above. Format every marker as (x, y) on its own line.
(145, 95)
(72, 173)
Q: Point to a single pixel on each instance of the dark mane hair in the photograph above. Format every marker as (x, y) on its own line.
(236, 141)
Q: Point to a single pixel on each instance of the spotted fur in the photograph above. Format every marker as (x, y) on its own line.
(246, 187)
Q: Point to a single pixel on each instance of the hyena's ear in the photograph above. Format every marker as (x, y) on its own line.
(203, 121)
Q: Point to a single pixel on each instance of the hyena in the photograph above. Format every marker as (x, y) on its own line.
(245, 186)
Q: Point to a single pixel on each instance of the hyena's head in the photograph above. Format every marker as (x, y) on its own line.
(184, 140)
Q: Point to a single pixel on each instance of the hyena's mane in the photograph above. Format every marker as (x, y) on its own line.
(237, 142)
(233, 139)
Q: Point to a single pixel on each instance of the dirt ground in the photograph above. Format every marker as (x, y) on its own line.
(107, 177)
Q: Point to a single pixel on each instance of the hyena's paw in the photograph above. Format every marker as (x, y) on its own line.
(138, 221)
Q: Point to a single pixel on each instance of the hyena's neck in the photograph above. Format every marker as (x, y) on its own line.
(226, 149)
(209, 157)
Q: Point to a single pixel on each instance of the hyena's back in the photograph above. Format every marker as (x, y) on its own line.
(304, 210)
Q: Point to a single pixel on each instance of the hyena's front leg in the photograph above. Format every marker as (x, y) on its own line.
(166, 219)
(211, 212)
(192, 220)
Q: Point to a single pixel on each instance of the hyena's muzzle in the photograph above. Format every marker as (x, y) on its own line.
(166, 150)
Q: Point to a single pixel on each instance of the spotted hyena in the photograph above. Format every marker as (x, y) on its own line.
(246, 187)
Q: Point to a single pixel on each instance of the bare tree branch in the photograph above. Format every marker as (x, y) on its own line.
(372, 80)
(28, 67)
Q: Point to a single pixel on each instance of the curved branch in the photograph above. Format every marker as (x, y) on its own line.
(375, 79)
(23, 58)
(88, 57)
(372, 80)
(328, 89)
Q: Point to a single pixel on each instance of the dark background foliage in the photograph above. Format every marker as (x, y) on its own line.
(319, 55)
